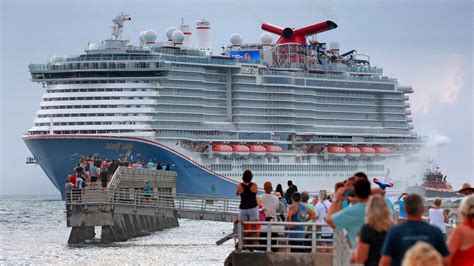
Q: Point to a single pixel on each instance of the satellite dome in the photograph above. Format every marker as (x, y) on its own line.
(149, 36)
(236, 39)
(177, 36)
(266, 38)
(92, 46)
(169, 32)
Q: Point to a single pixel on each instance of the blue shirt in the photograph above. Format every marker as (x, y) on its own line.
(390, 204)
(150, 165)
(92, 170)
(148, 189)
(351, 218)
(345, 204)
(299, 216)
(401, 237)
(401, 213)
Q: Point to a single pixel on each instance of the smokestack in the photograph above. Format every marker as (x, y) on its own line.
(203, 33)
(187, 34)
(289, 35)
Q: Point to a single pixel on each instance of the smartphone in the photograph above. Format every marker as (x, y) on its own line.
(348, 193)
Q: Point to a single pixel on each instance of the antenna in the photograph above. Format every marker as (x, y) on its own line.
(118, 25)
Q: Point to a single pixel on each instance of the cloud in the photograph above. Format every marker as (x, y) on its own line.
(452, 82)
(438, 80)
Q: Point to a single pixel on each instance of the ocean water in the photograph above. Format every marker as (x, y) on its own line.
(33, 231)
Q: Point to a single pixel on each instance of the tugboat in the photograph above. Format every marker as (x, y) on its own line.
(434, 185)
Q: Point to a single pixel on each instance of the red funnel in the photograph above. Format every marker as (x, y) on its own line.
(289, 35)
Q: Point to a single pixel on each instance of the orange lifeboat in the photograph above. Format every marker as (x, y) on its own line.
(367, 151)
(273, 149)
(352, 151)
(257, 150)
(337, 151)
(240, 149)
(382, 150)
(222, 149)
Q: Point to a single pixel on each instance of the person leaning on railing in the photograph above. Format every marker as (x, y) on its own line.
(270, 202)
(148, 188)
(248, 208)
(298, 212)
(68, 186)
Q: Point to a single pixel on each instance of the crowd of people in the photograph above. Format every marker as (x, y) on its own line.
(377, 235)
(89, 170)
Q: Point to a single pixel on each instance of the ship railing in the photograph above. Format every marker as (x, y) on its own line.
(70, 66)
(328, 76)
(155, 199)
(280, 236)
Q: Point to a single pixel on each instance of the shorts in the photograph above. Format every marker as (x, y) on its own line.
(93, 179)
(104, 183)
(249, 214)
(325, 236)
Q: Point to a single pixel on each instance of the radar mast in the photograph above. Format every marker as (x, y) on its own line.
(118, 25)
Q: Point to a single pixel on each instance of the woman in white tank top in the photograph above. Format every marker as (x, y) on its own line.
(437, 216)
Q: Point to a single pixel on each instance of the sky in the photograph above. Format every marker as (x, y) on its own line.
(427, 44)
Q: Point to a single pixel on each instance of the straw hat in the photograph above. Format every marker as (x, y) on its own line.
(466, 189)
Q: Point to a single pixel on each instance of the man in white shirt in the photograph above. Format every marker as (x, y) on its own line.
(270, 202)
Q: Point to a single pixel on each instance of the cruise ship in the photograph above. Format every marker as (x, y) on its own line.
(288, 107)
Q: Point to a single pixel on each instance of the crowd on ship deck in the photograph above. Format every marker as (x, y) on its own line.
(92, 169)
(377, 233)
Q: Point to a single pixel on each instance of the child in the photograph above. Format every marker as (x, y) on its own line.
(437, 216)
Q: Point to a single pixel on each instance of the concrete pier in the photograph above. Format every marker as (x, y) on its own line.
(80, 234)
(124, 210)
(119, 222)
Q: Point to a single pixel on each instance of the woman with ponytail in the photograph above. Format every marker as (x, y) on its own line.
(461, 242)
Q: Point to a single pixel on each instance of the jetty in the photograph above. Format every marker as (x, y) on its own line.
(124, 210)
